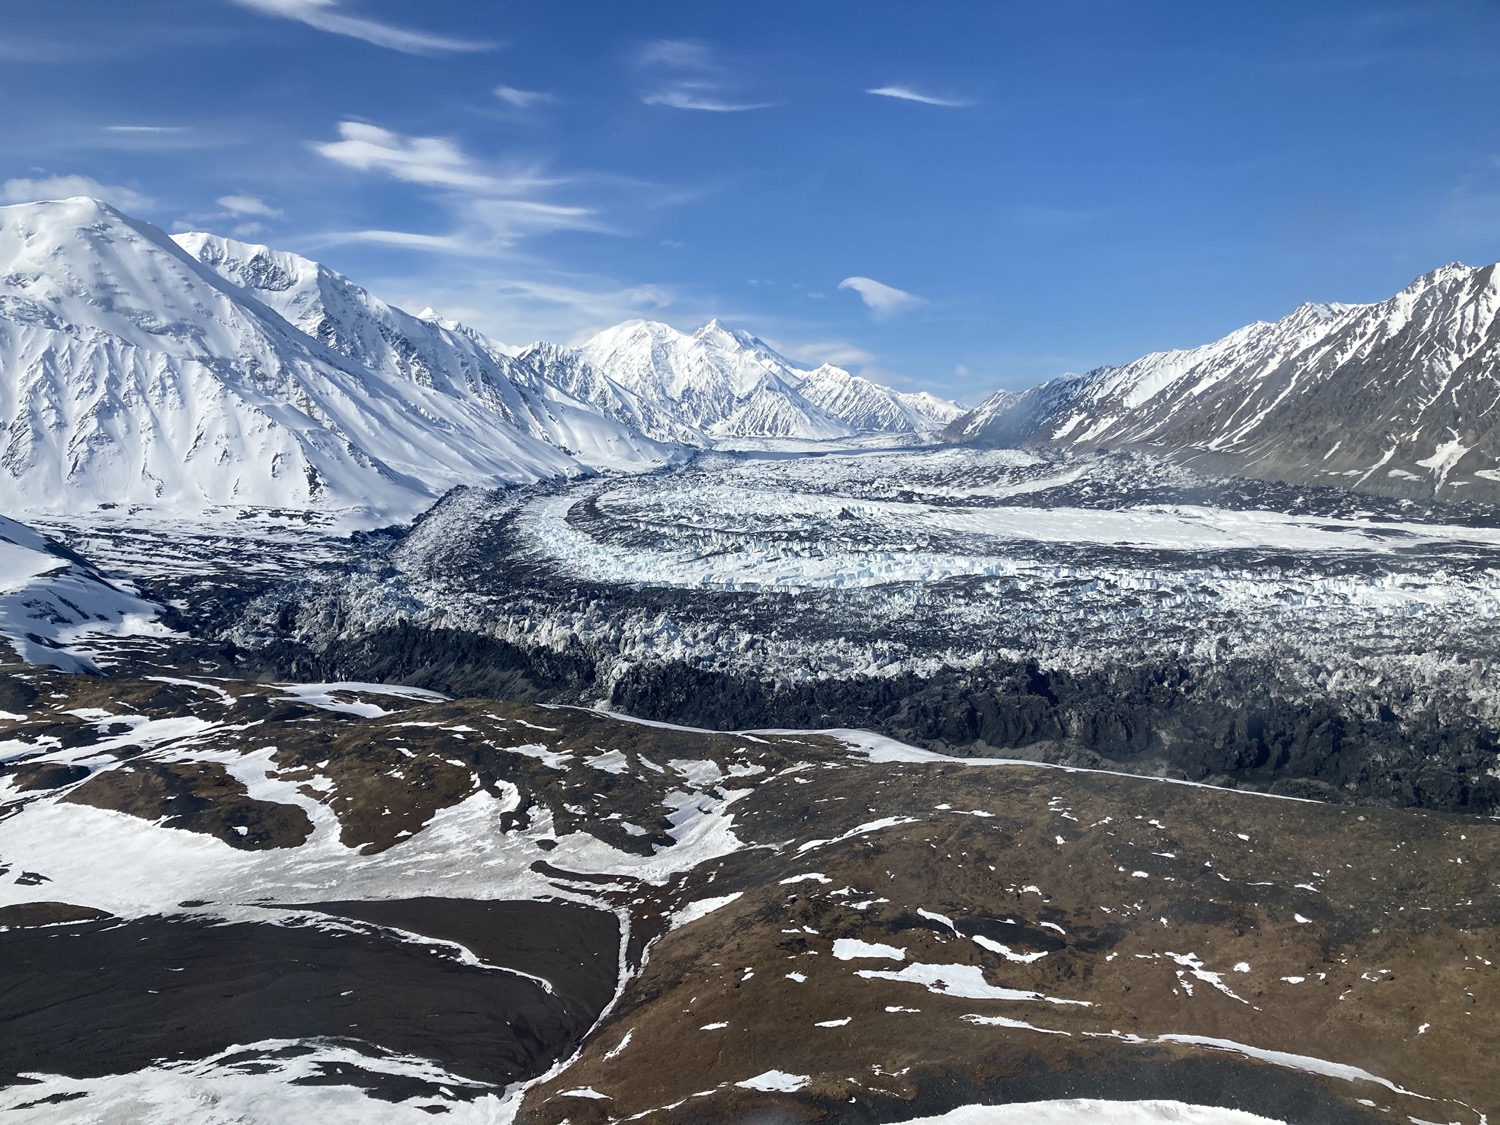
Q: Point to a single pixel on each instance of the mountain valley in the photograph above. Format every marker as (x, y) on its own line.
(403, 725)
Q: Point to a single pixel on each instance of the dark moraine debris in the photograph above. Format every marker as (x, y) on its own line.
(198, 797)
(103, 998)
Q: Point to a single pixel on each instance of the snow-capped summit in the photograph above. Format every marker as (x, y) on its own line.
(1396, 397)
(134, 374)
(565, 369)
(707, 375)
(719, 382)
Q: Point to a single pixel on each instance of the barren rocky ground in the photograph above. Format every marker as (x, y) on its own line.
(376, 893)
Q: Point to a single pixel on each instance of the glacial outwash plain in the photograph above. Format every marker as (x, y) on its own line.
(397, 726)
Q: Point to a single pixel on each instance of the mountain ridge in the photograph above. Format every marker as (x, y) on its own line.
(430, 352)
(1396, 397)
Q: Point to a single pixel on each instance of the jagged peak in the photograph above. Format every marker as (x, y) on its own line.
(717, 328)
(831, 371)
(219, 248)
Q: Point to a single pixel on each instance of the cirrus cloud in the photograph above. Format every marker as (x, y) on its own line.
(326, 16)
(690, 78)
(907, 94)
(495, 206)
(433, 161)
(688, 95)
(522, 99)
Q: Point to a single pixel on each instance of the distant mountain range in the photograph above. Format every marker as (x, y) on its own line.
(1400, 398)
(721, 383)
(193, 372)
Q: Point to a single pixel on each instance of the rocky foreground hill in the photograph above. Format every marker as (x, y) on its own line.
(249, 897)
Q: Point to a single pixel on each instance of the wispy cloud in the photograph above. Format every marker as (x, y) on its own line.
(150, 130)
(496, 206)
(408, 240)
(65, 187)
(325, 15)
(907, 94)
(16, 47)
(522, 99)
(690, 95)
(836, 352)
(248, 205)
(683, 54)
(434, 161)
(240, 214)
(689, 76)
(882, 300)
(514, 217)
(479, 260)
(131, 137)
(550, 305)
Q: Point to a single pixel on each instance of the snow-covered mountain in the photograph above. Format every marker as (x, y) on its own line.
(870, 407)
(721, 382)
(442, 355)
(1397, 397)
(194, 372)
(718, 382)
(134, 374)
(565, 369)
(52, 601)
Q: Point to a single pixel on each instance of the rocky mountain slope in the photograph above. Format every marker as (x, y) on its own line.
(1396, 398)
(379, 904)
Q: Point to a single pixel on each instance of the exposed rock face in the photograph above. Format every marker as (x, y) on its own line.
(939, 934)
(1395, 398)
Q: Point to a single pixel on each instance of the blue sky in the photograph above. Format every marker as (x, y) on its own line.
(955, 196)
